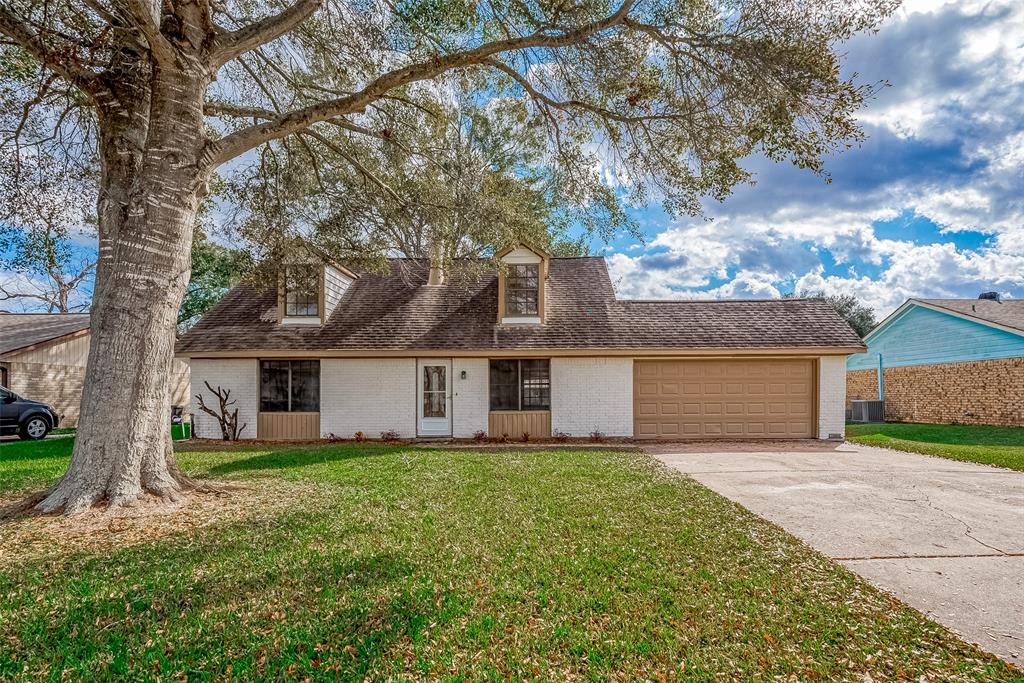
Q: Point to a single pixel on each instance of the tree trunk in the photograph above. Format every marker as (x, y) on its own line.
(151, 187)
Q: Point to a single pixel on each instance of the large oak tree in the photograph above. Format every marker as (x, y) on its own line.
(660, 98)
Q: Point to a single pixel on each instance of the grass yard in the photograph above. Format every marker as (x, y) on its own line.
(371, 562)
(1002, 446)
(177, 431)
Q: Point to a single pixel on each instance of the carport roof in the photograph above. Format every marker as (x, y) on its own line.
(21, 330)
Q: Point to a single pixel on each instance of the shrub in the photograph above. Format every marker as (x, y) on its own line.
(479, 436)
(559, 436)
(360, 437)
(389, 435)
(526, 437)
(504, 438)
(597, 436)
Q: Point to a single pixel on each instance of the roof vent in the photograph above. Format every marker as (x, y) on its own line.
(991, 296)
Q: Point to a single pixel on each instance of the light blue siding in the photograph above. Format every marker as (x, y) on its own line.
(922, 336)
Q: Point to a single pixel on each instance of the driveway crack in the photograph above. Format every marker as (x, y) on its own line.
(969, 532)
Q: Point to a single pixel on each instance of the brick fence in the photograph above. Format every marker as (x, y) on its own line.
(978, 392)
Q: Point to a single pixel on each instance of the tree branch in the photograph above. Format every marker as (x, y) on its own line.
(241, 141)
(144, 20)
(229, 45)
(88, 81)
(566, 105)
(356, 165)
(216, 108)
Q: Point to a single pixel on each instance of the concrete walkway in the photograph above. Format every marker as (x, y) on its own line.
(943, 536)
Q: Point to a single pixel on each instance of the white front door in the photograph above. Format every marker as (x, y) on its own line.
(434, 379)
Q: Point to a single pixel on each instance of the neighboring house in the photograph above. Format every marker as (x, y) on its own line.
(43, 357)
(542, 346)
(946, 361)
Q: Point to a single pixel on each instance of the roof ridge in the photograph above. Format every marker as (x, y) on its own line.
(488, 258)
(717, 301)
(55, 315)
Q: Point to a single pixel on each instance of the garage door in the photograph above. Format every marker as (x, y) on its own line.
(715, 399)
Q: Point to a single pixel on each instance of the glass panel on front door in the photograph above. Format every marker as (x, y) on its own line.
(435, 391)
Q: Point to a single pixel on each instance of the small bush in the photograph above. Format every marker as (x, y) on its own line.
(389, 435)
(526, 437)
(597, 436)
(504, 438)
(479, 436)
(360, 437)
(559, 436)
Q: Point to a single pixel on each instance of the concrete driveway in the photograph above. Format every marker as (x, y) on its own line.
(943, 536)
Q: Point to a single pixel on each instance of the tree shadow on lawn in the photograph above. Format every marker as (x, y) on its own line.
(255, 599)
(292, 457)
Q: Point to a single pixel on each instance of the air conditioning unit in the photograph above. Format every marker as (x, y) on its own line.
(868, 411)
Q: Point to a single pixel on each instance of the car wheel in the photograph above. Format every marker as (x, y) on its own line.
(35, 427)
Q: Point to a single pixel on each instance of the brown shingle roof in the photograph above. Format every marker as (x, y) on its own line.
(18, 330)
(1008, 312)
(397, 312)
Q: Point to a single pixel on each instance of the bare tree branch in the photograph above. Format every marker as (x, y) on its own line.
(85, 79)
(566, 105)
(230, 45)
(241, 141)
(360, 168)
(226, 418)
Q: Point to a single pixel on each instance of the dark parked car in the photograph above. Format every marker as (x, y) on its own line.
(24, 417)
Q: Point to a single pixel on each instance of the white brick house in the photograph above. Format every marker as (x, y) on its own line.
(540, 346)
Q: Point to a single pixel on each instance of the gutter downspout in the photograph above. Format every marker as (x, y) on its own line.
(881, 380)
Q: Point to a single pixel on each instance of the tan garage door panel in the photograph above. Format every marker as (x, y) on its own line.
(709, 399)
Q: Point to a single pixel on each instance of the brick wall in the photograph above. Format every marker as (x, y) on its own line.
(589, 394)
(58, 385)
(861, 385)
(369, 395)
(831, 396)
(470, 397)
(977, 392)
(237, 374)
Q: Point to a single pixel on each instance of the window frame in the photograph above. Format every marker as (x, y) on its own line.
(543, 387)
(513, 287)
(305, 299)
(289, 390)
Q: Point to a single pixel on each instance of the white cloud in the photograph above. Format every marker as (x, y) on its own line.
(945, 146)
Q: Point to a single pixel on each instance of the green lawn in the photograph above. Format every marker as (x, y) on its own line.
(1003, 446)
(388, 562)
(177, 431)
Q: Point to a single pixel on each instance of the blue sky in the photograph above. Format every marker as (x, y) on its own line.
(931, 205)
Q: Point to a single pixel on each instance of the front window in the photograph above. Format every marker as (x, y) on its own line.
(290, 386)
(520, 384)
(521, 285)
(302, 292)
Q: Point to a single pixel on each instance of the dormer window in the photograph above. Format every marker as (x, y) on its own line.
(308, 293)
(521, 290)
(302, 292)
(521, 277)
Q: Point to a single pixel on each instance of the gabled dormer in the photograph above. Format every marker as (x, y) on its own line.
(522, 272)
(307, 293)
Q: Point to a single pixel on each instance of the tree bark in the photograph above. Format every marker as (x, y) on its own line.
(150, 190)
